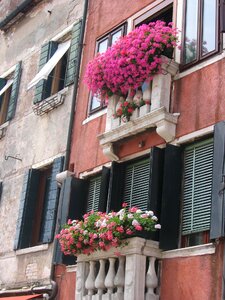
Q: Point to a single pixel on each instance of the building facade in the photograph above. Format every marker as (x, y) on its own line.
(168, 157)
(39, 52)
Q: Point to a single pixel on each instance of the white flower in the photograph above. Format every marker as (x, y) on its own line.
(149, 213)
(130, 216)
(135, 222)
(85, 232)
(157, 226)
(154, 218)
(139, 211)
(121, 214)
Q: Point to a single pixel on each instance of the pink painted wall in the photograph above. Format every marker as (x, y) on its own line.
(193, 278)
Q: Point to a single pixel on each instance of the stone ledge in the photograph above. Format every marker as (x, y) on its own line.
(32, 249)
(190, 251)
(164, 122)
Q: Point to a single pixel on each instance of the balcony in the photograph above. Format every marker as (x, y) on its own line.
(154, 115)
(132, 275)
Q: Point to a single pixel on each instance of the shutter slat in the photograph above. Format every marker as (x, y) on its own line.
(14, 92)
(50, 211)
(72, 64)
(94, 194)
(197, 187)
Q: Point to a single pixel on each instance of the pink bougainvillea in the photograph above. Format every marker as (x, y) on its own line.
(101, 231)
(132, 60)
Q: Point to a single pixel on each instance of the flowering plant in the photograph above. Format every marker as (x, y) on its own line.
(126, 109)
(101, 231)
(131, 60)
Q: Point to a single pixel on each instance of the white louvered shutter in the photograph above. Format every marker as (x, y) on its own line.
(198, 165)
(136, 188)
(94, 193)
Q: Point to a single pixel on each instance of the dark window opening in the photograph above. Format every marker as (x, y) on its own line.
(56, 79)
(165, 15)
(4, 105)
(41, 205)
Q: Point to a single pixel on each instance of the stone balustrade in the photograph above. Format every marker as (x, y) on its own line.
(131, 275)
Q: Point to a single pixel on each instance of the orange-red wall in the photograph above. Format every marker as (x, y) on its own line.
(193, 278)
(199, 98)
(66, 283)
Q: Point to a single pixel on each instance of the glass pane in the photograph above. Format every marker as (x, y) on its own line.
(102, 46)
(95, 102)
(116, 36)
(209, 26)
(190, 42)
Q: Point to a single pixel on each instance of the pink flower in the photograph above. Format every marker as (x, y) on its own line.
(124, 204)
(138, 227)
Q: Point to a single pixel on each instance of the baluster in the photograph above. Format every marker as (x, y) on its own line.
(109, 280)
(100, 279)
(120, 278)
(151, 280)
(130, 95)
(111, 110)
(90, 282)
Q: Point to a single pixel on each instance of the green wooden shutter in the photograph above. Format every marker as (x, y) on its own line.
(73, 197)
(50, 212)
(198, 164)
(94, 193)
(14, 92)
(1, 188)
(116, 184)
(218, 184)
(27, 209)
(2, 84)
(170, 211)
(103, 197)
(72, 67)
(156, 180)
(43, 87)
(136, 184)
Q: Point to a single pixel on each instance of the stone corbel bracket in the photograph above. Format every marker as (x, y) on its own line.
(164, 122)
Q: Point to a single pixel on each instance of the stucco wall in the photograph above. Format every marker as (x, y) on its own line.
(195, 278)
(35, 139)
(103, 16)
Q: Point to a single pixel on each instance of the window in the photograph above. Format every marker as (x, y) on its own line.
(197, 192)
(38, 206)
(57, 66)
(102, 45)
(201, 37)
(9, 88)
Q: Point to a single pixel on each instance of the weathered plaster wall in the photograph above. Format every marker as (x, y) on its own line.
(195, 278)
(35, 139)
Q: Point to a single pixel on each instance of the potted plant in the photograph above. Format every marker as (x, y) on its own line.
(131, 61)
(101, 231)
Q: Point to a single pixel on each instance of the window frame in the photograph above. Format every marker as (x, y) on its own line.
(218, 36)
(108, 36)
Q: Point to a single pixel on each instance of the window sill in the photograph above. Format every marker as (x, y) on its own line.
(190, 251)
(34, 249)
(50, 103)
(3, 128)
(164, 122)
(95, 115)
